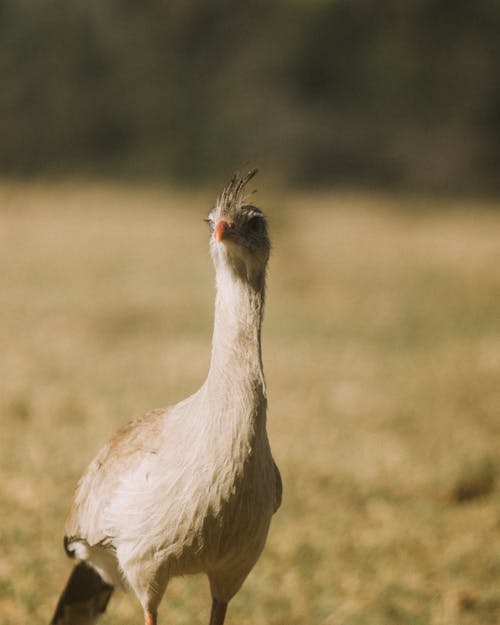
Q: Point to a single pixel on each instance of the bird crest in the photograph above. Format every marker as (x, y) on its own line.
(232, 195)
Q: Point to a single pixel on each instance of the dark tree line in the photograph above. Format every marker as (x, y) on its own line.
(395, 93)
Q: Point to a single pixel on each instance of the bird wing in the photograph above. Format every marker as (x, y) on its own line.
(130, 446)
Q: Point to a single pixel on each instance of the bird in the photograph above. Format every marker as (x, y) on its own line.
(191, 488)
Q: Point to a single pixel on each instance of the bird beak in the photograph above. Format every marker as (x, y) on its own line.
(223, 230)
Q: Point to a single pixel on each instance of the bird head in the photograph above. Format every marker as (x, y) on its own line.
(238, 231)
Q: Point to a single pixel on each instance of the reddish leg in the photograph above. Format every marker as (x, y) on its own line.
(149, 618)
(218, 612)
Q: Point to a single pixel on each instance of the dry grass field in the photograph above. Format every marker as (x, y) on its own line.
(382, 354)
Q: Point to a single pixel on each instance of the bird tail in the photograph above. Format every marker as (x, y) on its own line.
(84, 599)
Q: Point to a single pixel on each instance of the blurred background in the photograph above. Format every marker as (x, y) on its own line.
(376, 128)
(317, 92)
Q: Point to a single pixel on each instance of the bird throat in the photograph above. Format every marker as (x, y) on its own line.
(236, 346)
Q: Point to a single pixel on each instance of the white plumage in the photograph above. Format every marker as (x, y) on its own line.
(190, 488)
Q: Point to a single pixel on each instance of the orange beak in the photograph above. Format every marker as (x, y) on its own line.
(222, 230)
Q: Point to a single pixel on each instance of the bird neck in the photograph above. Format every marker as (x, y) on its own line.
(236, 362)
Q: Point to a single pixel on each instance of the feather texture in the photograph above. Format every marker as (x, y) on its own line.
(191, 488)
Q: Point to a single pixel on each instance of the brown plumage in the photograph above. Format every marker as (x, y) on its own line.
(84, 598)
(190, 488)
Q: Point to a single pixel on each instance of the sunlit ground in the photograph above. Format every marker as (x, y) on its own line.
(382, 355)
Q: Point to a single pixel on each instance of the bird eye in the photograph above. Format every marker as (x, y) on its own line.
(209, 223)
(255, 225)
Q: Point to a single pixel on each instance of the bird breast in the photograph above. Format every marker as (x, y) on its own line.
(210, 484)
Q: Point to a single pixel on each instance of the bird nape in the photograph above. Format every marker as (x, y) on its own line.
(190, 488)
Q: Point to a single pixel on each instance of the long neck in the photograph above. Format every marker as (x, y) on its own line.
(236, 362)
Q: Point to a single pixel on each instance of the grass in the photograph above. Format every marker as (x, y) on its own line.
(382, 354)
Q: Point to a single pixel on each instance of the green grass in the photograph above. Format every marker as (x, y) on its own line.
(382, 354)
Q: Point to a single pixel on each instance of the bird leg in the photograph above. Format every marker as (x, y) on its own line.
(149, 618)
(218, 612)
